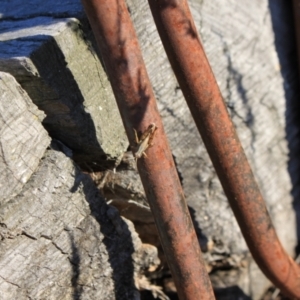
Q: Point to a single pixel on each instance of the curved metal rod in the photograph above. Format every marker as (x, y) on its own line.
(124, 64)
(184, 49)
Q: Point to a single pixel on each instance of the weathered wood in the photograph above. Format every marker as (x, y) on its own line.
(60, 240)
(240, 46)
(254, 94)
(239, 42)
(56, 65)
(23, 140)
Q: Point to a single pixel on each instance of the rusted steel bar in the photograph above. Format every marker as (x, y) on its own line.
(123, 61)
(184, 49)
(296, 9)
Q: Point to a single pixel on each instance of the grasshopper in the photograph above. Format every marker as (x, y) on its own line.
(144, 142)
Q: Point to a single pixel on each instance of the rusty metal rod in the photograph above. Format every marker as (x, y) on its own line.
(187, 57)
(124, 64)
(296, 9)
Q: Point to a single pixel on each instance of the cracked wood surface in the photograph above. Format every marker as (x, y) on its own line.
(60, 240)
(240, 47)
(249, 47)
(23, 139)
(54, 61)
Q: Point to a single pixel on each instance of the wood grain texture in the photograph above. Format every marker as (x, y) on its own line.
(239, 40)
(60, 240)
(23, 140)
(57, 66)
(240, 47)
(249, 46)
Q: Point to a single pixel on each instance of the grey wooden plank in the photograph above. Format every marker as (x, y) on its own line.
(62, 74)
